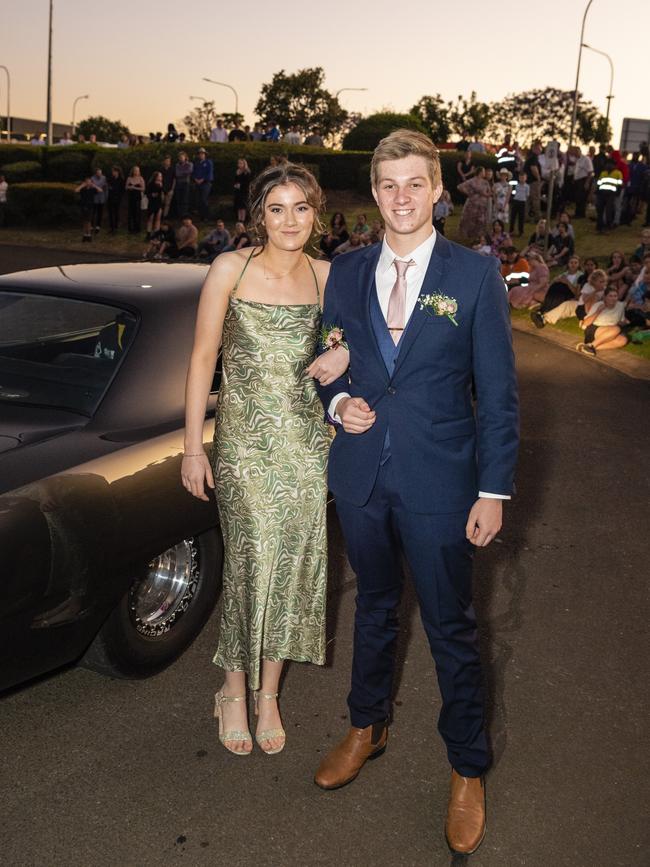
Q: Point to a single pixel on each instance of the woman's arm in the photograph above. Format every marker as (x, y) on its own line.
(195, 468)
(330, 365)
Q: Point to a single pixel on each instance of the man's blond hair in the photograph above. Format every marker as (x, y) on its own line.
(405, 143)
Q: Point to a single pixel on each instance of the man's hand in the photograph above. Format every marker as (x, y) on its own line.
(355, 414)
(484, 521)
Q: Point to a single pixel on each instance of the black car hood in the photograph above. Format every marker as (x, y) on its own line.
(20, 425)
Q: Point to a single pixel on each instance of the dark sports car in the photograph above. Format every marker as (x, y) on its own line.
(104, 555)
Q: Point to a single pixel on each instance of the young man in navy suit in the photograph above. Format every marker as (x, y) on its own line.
(414, 470)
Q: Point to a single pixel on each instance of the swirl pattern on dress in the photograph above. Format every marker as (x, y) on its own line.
(269, 459)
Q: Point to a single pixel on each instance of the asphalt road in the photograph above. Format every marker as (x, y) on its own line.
(107, 772)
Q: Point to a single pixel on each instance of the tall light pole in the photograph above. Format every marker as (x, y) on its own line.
(230, 87)
(49, 80)
(74, 110)
(574, 113)
(610, 96)
(336, 95)
(8, 101)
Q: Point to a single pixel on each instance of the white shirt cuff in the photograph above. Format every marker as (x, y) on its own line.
(333, 403)
(486, 496)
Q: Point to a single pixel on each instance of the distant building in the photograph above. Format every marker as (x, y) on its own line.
(23, 128)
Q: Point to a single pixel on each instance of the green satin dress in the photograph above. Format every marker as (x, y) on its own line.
(269, 459)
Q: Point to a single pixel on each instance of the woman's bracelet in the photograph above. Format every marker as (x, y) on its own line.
(196, 455)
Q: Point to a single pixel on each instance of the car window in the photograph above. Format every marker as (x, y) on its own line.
(59, 352)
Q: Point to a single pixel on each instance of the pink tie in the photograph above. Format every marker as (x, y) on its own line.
(397, 300)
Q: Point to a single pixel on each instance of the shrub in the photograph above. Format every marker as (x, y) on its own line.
(68, 163)
(15, 153)
(42, 204)
(26, 170)
(367, 134)
(363, 180)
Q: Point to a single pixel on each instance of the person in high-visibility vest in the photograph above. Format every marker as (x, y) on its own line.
(608, 186)
(506, 156)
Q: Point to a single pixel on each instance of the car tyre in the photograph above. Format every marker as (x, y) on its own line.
(163, 611)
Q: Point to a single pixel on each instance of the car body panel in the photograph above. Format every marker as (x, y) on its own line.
(85, 504)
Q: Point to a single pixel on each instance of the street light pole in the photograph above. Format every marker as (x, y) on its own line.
(74, 111)
(574, 113)
(610, 97)
(230, 87)
(8, 102)
(336, 95)
(49, 79)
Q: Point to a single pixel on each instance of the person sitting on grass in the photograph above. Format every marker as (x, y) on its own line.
(377, 231)
(603, 325)
(636, 304)
(215, 242)
(572, 274)
(515, 270)
(161, 240)
(563, 288)
(644, 246)
(534, 291)
(353, 243)
(500, 238)
(483, 245)
(361, 227)
(185, 239)
(236, 239)
(561, 246)
(563, 301)
(536, 240)
(616, 269)
(588, 267)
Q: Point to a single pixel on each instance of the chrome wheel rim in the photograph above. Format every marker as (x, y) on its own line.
(162, 596)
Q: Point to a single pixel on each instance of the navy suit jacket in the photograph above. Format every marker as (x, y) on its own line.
(443, 456)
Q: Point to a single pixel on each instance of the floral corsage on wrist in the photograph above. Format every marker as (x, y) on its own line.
(440, 305)
(331, 337)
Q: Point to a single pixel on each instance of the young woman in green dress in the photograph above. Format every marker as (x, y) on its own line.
(268, 468)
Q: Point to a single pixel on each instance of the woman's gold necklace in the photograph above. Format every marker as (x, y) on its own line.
(280, 276)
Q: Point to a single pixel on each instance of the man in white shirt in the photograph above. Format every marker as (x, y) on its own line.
(219, 133)
(411, 474)
(293, 136)
(583, 175)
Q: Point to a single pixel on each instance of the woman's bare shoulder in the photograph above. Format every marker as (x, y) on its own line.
(321, 268)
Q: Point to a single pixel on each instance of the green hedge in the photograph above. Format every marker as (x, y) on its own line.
(42, 204)
(15, 153)
(68, 165)
(24, 170)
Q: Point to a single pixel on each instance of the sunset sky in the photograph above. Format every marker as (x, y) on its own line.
(141, 60)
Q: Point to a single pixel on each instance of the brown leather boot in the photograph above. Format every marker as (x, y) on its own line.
(465, 827)
(342, 764)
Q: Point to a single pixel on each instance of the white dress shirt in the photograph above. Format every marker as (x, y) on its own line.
(385, 276)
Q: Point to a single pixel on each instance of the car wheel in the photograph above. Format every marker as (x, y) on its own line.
(162, 612)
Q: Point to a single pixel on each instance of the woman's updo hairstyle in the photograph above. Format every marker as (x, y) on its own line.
(275, 176)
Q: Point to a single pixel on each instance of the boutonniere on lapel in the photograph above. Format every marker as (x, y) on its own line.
(331, 337)
(440, 305)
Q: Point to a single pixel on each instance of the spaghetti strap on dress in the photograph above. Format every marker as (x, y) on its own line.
(269, 459)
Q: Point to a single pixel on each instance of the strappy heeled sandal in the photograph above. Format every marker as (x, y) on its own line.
(269, 733)
(219, 700)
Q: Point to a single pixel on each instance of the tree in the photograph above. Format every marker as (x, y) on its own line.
(299, 99)
(469, 116)
(545, 113)
(105, 129)
(434, 113)
(201, 120)
(367, 134)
